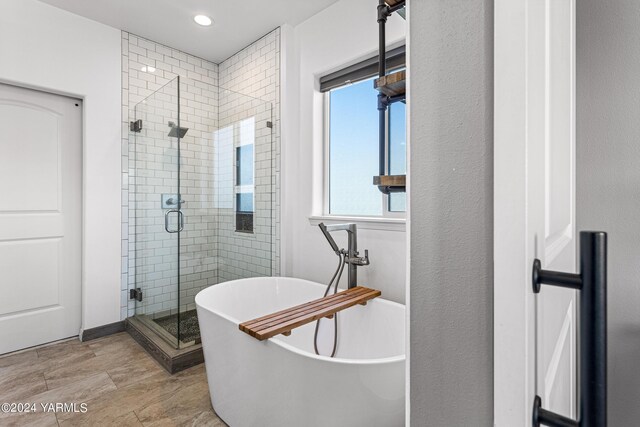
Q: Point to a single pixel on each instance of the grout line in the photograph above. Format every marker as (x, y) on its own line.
(46, 383)
(114, 383)
(137, 417)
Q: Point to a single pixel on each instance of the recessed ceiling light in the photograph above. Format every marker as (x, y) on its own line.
(203, 20)
(148, 69)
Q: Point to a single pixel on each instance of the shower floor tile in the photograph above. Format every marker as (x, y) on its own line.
(189, 328)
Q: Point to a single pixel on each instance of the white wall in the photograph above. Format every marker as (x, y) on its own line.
(340, 35)
(608, 178)
(43, 47)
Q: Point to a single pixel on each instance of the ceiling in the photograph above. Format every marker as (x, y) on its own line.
(236, 24)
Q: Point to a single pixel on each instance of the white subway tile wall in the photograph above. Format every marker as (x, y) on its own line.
(211, 251)
(255, 71)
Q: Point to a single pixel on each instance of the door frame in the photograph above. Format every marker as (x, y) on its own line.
(515, 345)
(83, 204)
(510, 220)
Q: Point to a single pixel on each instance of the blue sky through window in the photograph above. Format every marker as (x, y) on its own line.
(397, 152)
(353, 151)
(244, 159)
(353, 157)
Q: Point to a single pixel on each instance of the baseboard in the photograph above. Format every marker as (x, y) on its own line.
(103, 331)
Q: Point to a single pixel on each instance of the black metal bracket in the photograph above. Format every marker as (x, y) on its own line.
(135, 294)
(541, 277)
(135, 126)
(385, 11)
(384, 101)
(543, 417)
(385, 189)
(592, 284)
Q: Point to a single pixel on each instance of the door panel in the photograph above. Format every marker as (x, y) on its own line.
(34, 166)
(558, 387)
(33, 288)
(559, 146)
(535, 344)
(40, 217)
(555, 314)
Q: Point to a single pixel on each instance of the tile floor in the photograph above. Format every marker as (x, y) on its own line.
(119, 382)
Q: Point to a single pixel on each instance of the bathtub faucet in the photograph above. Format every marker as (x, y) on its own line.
(351, 257)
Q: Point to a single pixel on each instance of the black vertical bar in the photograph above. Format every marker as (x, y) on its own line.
(382, 19)
(593, 329)
(382, 136)
(382, 105)
(179, 208)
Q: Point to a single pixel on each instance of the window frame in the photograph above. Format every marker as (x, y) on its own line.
(326, 168)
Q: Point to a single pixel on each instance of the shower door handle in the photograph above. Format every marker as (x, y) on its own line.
(180, 221)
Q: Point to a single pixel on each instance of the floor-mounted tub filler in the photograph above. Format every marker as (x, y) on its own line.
(281, 381)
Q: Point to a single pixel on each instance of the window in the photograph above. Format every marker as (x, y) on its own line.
(244, 182)
(397, 152)
(351, 144)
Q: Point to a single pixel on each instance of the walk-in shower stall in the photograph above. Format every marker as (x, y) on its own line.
(201, 197)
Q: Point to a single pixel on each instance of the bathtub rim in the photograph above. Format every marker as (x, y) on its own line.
(291, 348)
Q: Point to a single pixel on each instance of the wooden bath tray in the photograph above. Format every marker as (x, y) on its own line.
(282, 322)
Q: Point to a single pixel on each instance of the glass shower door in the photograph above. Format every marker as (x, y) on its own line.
(157, 210)
(202, 192)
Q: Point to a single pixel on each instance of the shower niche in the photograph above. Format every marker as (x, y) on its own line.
(201, 164)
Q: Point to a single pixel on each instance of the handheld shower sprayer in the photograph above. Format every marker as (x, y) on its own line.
(351, 253)
(345, 257)
(332, 242)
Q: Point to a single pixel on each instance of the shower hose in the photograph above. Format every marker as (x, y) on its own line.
(336, 277)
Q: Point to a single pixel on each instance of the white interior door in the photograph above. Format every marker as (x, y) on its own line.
(535, 335)
(40, 217)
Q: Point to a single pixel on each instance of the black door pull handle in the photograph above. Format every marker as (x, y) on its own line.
(592, 284)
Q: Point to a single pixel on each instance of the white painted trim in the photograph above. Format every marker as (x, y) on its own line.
(289, 89)
(407, 377)
(514, 349)
(364, 223)
(326, 153)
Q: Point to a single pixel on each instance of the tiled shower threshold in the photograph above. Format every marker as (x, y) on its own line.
(173, 360)
(166, 325)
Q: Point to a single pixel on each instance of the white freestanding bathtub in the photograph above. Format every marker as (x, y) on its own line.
(281, 382)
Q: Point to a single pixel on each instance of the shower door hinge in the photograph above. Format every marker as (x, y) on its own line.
(135, 294)
(269, 124)
(135, 126)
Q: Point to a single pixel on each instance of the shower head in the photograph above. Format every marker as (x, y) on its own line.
(177, 132)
